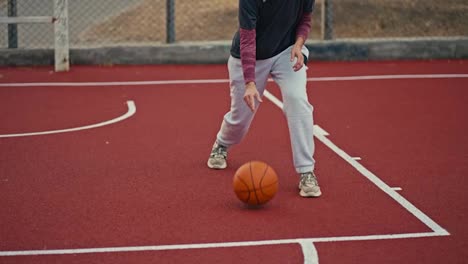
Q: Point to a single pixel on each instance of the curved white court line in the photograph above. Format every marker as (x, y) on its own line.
(131, 111)
(206, 81)
(308, 248)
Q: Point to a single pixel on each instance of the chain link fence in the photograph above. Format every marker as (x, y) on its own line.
(26, 35)
(400, 18)
(97, 23)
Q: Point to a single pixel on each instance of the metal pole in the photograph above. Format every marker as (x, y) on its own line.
(327, 20)
(61, 44)
(12, 28)
(170, 21)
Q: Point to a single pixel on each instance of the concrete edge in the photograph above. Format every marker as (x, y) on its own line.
(218, 52)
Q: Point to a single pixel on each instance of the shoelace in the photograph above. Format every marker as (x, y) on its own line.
(309, 178)
(219, 152)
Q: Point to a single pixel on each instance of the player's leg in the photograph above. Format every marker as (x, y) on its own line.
(237, 121)
(299, 115)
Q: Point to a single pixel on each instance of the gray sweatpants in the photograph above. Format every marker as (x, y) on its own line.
(297, 109)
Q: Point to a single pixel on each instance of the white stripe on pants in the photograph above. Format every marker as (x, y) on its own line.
(297, 109)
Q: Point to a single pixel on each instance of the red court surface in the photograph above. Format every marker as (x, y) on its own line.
(117, 170)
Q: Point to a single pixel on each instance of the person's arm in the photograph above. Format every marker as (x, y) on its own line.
(302, 32)
(247, 30)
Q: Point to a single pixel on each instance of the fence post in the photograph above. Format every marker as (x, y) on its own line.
(327, 20)
(12, 28)
(170, 21)
(62, 53)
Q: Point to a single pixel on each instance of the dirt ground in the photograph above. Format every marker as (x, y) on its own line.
(217, 20)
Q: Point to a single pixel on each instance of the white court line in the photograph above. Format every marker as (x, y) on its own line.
(214, 245)
(318, 129)
(310, 252)
(129, 83)
(384, 187)
(321, 135)
(388, 77)
(131, 111)
(372, 177)
(201, 81)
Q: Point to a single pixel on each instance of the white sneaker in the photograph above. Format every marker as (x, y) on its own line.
(218, 157)
(309, 185)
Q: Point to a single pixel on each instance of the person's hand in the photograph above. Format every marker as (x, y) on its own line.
(250, 95)
(296, 52)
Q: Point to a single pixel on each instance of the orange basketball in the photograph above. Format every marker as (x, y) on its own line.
(255, 183)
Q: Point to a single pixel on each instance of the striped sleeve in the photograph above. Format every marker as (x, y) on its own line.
(248, 24)
(247, 53)
(303, 28)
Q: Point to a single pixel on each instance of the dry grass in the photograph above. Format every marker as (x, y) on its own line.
(143, 23)
(217, 20)
(401, 18)
(3, 3)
